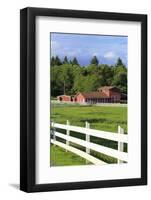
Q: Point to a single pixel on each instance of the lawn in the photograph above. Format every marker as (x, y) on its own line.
(60, 157)
(105, 118)
(100, 117)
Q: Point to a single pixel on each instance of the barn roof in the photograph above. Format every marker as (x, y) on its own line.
(94, 95)
(108, 88)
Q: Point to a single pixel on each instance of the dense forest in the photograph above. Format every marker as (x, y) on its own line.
(68, 77)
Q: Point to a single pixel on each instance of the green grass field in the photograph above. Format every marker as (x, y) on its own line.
(105, 118)
(60, 157)
(100, 117)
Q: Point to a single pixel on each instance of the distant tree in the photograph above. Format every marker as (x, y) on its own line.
(120, 80)
(119, 62)
(52, 61)
(92, 83)
(94, 61)
(86, 83)
(57, 61)
(65, 61)
(75, 61)
(106, 74)
(66, 79)
(56, 83)
(79, 84)
(70, 62)
(93, 69)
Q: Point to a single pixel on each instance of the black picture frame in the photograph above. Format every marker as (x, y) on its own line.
(28, 99)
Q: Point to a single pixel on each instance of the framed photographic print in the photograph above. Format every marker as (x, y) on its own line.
(83, 98)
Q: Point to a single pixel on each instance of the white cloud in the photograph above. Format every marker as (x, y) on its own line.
(110, 55)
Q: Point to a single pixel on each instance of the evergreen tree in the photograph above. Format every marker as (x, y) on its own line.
(52, 61)
(70, 62)
(57, 61)
(66, 79)
(119, 62)
(94, 61)
(75, 61)
(65, 61)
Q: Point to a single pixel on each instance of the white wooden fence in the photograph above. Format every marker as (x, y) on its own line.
(119, 137)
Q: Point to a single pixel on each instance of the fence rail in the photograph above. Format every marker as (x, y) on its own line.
(78, 152)
(119, 137)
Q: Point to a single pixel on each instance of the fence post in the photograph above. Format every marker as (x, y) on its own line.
(53, 132)
(68, 133)
(87, 125)
(120, 144)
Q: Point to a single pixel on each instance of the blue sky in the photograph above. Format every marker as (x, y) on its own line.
(84, 47)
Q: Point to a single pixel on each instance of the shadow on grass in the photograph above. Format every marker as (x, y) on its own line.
(95, 120)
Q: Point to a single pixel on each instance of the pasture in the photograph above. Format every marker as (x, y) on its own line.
(100, 117)
(105, 118)
(61, 157)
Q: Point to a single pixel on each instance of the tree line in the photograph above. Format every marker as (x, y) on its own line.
(69, 77)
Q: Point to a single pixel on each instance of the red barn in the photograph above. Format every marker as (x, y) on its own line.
(106, 94)
(112, 92)
(65, 98)
(91, 97)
